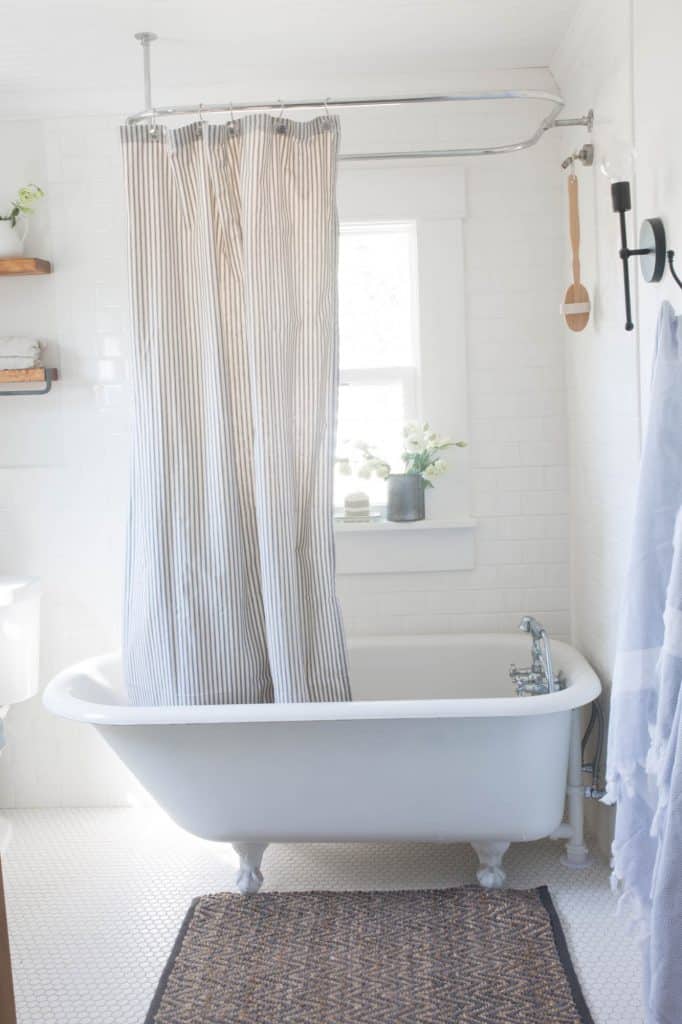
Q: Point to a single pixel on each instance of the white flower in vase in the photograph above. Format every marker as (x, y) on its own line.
(14, 223)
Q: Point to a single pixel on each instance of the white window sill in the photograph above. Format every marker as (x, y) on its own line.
(430, 545)
(376, 525)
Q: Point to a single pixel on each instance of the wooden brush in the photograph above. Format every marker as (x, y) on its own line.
(576, 304)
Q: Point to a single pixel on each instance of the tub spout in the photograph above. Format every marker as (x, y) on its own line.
(539, 678)
(249, 875)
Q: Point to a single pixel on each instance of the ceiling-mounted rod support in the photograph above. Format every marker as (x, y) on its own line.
(146, 39)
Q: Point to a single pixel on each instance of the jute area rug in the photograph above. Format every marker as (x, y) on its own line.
(435, 956)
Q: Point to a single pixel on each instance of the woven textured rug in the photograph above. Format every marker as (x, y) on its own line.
(435, 956)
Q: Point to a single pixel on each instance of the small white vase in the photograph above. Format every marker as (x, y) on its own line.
(12, 238)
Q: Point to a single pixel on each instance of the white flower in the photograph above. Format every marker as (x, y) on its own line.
(378, 466)
(365, 472)
(435, 469)
(344, 467)
(414, 436)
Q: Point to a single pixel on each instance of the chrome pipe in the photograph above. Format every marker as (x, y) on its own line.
(348, 103)
(146, 39)
(151, 113)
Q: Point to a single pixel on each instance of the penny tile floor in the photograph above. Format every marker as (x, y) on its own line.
(96, 896)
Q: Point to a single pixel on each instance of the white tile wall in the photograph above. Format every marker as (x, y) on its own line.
(64, 458)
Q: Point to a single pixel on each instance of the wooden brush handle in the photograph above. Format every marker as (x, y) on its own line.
(574, 225)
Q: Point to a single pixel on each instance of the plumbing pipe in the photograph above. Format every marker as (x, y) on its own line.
(576, 855)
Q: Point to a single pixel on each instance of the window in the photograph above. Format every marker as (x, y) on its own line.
(378, 323)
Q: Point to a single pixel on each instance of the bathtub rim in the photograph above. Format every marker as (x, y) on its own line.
(583, 686)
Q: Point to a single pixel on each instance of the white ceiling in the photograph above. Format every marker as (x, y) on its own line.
(57, 48)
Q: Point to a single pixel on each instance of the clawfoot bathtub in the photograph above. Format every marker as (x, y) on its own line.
(434, 746)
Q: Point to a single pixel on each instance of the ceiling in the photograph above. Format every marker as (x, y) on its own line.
(56, 48)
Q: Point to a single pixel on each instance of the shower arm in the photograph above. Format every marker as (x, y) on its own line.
(150, 114)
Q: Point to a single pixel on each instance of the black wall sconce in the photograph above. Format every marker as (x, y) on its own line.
(652, 246)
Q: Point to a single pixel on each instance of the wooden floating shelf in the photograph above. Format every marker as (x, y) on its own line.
(37, 374)
(44, 375)
(24, 265)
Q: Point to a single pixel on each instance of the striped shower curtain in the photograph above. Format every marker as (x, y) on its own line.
(229, 590)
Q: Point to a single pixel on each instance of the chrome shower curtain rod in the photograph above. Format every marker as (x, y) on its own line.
(151, 114)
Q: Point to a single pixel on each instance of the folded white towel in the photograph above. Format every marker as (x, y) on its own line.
(27, 348)
(18, 363)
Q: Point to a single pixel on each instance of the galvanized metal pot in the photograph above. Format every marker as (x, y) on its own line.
(405, 498)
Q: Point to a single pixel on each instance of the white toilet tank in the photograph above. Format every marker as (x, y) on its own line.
(19, 638)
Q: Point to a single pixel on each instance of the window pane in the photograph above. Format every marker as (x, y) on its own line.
(377, 295)
(374, 413)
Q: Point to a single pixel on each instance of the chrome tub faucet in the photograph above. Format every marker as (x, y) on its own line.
(539, 678)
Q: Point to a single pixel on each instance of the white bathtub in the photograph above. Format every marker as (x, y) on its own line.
(434, 746)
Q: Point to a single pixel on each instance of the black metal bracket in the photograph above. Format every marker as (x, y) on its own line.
(622, 202)
(652, 251)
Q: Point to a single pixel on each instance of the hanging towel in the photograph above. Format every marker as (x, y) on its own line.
(20, 348)
(230, 584)
(664, 952)
(643, 710)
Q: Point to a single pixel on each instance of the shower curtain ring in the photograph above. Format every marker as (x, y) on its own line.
(153, 127)
(326, 108)
(279, 124)
(201, 112)
(231, 124)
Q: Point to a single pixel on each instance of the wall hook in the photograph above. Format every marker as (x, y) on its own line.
(585, 155)
(671, 258)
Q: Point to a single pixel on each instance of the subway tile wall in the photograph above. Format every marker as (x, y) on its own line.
(64, 458)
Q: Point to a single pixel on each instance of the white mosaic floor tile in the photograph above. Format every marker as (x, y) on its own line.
(96, 896)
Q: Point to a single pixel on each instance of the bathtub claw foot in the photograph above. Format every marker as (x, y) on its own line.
(248, 880)
(491, 874)
(249, 876)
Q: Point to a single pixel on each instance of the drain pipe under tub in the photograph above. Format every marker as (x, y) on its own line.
(576, 854)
